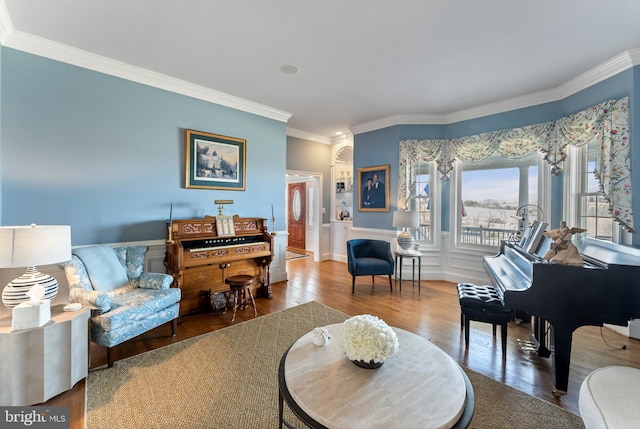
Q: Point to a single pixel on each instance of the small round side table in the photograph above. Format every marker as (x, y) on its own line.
(413, 255)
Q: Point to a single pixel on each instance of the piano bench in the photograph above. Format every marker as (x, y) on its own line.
(483, 304)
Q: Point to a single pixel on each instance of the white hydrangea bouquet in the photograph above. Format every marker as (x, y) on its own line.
(367, 340)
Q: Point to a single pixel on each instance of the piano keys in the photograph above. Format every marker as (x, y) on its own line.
(199, 260)
(605, 289)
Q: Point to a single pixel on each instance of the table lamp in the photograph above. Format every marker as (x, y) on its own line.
(404, 220)
(28, 246)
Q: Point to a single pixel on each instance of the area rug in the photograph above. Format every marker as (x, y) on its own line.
(228, 379)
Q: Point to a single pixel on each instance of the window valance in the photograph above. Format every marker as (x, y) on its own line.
(607, 124)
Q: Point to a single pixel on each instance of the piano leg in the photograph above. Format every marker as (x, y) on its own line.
(561, 360)
(540, 332)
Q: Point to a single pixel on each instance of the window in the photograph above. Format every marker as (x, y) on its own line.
(422, 191)
(594, 209)
(586, 205)
(490, 192)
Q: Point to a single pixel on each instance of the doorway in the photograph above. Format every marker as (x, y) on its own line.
(312, 209)
(297, 215)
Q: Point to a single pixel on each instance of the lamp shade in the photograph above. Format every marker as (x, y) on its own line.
(403, 219)
(28, 246)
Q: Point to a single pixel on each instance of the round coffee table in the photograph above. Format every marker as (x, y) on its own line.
(420, 386)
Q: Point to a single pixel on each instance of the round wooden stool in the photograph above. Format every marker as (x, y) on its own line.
(239, 286)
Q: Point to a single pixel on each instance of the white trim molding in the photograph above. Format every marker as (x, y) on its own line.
(292, 132)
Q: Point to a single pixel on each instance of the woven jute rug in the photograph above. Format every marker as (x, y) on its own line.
(228, 379)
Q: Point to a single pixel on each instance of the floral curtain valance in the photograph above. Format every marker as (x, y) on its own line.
(606, 123)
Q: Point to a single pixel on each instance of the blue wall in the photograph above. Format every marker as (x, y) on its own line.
(312, 157)
(106, 155)
(380, 147)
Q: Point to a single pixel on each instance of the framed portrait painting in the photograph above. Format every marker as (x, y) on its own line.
(214, 161)
(373, 189)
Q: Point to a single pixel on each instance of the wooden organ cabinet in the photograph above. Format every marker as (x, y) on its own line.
(199, 260)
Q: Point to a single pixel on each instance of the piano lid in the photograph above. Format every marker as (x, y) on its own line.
(606, 252)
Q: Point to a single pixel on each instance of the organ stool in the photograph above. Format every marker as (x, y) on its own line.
(240, 287)
(483, 304)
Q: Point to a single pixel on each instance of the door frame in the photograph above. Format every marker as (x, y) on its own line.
(315, 200)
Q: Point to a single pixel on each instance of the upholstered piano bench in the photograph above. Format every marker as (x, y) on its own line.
(609, 398)
(483, 304)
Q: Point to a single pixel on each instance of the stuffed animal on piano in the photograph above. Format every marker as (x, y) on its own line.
(562, 250)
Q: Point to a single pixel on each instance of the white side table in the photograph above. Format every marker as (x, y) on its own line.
(413, 255)
(40, 363)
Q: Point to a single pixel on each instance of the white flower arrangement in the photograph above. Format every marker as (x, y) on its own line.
(367, 338)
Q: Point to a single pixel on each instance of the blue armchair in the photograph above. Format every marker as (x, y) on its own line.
(369, 258)
(125, 300)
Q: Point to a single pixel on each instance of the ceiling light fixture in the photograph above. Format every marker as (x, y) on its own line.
(289, 69)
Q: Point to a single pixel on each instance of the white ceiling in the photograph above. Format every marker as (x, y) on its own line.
(362, 61)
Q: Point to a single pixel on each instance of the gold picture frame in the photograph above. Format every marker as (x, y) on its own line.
(373, 189)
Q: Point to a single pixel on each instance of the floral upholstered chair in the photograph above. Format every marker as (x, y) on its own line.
(126, 301)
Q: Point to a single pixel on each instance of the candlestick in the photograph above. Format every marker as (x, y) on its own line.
(169, 227)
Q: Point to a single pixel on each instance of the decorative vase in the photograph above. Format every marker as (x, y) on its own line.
(321, 337)
(16, 291)
(405, 241)
(367, 365)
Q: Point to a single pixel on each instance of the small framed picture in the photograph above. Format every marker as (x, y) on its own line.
(214, 161)
(373, 189)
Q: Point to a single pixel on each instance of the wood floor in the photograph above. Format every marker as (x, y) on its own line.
(433, 313)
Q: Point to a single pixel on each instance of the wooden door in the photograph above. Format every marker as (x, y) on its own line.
(297, 214)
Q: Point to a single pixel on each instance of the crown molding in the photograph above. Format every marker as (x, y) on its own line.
(304, 135)
(634, 54)
(609, 68)
(601, 72)
(390, 121)
(502, 106)
(6, 26)
(63, 53)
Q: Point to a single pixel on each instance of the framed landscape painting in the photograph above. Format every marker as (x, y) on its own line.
(214, 161)
(373, 189)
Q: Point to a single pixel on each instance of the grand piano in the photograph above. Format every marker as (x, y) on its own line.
(605, 289)
(199, 259)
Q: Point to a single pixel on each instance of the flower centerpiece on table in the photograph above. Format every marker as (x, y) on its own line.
(367, 340)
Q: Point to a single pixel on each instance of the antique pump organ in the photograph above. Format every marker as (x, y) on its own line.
(200, 258)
